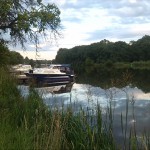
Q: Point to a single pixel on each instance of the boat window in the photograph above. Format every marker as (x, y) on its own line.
(55, 67)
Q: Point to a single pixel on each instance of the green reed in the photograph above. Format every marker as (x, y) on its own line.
(27, 123)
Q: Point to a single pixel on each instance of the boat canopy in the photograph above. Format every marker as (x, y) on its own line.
(61, 65)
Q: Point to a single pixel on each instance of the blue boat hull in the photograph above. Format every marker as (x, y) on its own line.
(48, 79)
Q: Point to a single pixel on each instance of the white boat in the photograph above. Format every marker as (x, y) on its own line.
(19, 72)
(54, 74)
(20, 69)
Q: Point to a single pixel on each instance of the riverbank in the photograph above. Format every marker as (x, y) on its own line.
(27, 123)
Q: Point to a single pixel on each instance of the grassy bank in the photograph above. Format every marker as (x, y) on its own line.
(27, 123)
(133, 65)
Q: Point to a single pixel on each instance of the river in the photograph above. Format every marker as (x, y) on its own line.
(128, 94)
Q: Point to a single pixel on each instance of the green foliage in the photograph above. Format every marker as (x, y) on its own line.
(109, 64)
(89, 66)
(141, 65)
(29, 124)
(12, 138)
(27, 19)
(29, 61)
(10, 99)
(15, 58)
(107, 53)
(9, 57)
(4, 54)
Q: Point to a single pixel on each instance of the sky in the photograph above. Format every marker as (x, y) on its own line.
(88, 21)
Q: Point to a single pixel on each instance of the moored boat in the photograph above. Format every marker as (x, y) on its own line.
(54, 74)
(18, 71)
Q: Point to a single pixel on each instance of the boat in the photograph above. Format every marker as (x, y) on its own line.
(51, 75)
(18, 71)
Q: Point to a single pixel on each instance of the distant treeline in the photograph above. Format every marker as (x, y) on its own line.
(90, 57)
(8, 57)
(105, 52)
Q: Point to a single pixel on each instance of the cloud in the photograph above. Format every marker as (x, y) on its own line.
(123, 8)
(87, 21)
(48, 55)
(105, 19)
(124, 33)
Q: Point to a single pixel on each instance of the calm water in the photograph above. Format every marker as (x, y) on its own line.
(104, 89)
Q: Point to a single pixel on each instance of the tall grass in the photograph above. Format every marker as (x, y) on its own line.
(27, 123)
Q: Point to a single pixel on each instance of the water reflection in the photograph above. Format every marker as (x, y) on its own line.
(87, 97)
(56, 89)
(108, 77)
(42, 90)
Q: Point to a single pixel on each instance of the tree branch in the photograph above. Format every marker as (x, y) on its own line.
(10, 25)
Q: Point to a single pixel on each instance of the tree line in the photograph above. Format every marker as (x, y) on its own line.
(26, 21)
(8, 57)
(105, 52)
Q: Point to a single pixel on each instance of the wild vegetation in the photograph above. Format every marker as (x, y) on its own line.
(27, 123)
(8, 57)
(27, 20)
(107, 54)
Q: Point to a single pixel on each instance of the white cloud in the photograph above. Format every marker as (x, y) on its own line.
(132, 1)
(141, 28)
(87, 21)
(48, 55)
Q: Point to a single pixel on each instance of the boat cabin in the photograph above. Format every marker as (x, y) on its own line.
(66, 68)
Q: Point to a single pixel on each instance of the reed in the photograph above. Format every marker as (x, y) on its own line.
(27, 123)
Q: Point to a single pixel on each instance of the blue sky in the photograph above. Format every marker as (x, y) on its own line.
(88, 21)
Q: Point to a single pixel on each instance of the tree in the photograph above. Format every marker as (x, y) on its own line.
(15, 58)
(26, 60)
(4, 54)
(9, 57)
(89, 65)
(26, 20)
